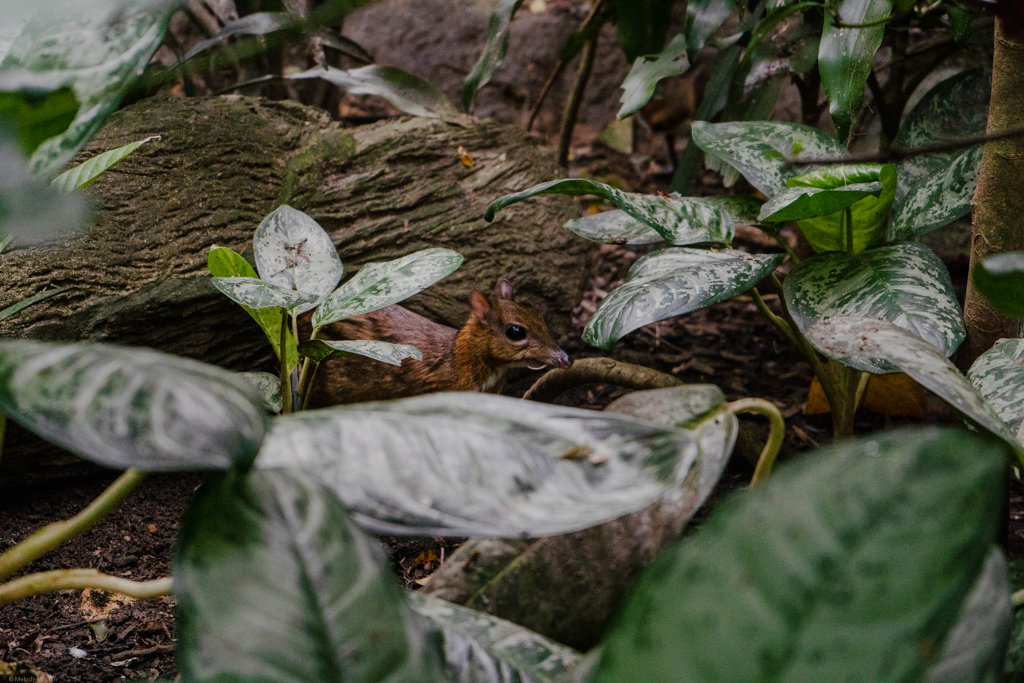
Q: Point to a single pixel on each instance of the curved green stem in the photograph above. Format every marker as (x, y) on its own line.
(64, 579)
(286, 375)
(776, 432)
(309, 385)
(54, 535)
(775, 320)
(1017, 599)
(306, 375)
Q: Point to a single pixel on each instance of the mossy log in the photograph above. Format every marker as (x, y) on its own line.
(138, 275)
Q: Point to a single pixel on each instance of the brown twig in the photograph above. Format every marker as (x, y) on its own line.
(598, 371)
(572, 107)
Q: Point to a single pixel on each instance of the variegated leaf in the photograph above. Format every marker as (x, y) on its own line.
(377, 285)
(845, 56)
(870, 214)
(257, 294)
(998, 375)
(672, 282)
(614, 227)
(905, 284)
(294, 252)
(647, 71)
(393, 354)
(495, 49)
(124, 407)
(848, 340)
(481, 647)
(87, 172)
(760, 149)
(477, 464)
(680, 220)
(937, 199)
(268, 386)
(798, 203)
(255, 24)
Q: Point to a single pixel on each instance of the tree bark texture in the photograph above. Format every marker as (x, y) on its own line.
(138, 276)
(999, 200)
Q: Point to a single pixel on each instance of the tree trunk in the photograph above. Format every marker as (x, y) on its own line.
(139, 276)
(998, 202)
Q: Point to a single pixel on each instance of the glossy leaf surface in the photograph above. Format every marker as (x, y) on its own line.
(1001, 279)
(477, 464)
(377, 285)
(998, 375)
(95, 48)
(845, 56)
(672, 282)
(938, 199)
(30, 210)
(495, 49)
(124, 407)
(822, 574)
(292, 251)
(848, 339)
(798, 203)
(34, 114)
(87, 172)
(256, 24)
(274, 583)
(407, 92)
(905, 284)
(393, 354)
(268, 387)
(256, 293)
(760, 149)
(646, 72)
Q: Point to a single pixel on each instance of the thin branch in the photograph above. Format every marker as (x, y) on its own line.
(65, 579)
(776, 432)
(572, 107)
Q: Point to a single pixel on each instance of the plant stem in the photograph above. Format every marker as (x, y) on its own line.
(3, 433)
(572, 107)
(286, 375)
(1017, 599)
(54, 535)
(775, 320)
(312, 378)
(804, 346)
(64, 579)
(849, 230)
(306, 375)
(777, 430)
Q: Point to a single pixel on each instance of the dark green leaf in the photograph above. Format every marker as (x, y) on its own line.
(1000, 279)
(256, 24)
(672, 282)
(823, 573)
(495, 49)
(125, 407)
(960, 22)
(845, 56)
(30, 210)
(642, 25)
(905, 284)
(34, 116)
(998, 375)
(647, 71)
(87, 172)
(274, 583)
(320, 350)
(407, 92)
(536, 469)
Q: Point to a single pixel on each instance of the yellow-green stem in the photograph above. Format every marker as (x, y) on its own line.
(1017, 599)
(65, 579)
(286, 375)
(775, 320)
(776, 432)
(305, 374)
(54, 535)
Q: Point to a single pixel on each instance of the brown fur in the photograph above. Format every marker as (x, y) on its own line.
(475, 358)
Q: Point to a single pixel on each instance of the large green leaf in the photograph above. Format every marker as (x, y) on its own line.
(87, 172)
(480, 647)
(849, 339)
(125, 407)
(937, 199)
(274, 583)
(1001, 279)
(224, 262)
(799, 203)
(672, 282)
(255, 24)
(30, 210)
(495, 49)
(256, 293)
(641, 25)
(377, 285)
(998, 375)
(845, 56)
(477, 464)
(97, 48)
(760, 150)
(407, 92)
(294, 252)
(680, 220)
(905, 284)
(647, 71)
(393, 354)
(32, 114)
(822, 574)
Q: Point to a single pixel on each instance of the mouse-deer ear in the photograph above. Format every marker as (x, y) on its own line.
(503, 290)
(480, 306)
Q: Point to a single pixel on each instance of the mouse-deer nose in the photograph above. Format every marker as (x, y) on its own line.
(560, 359)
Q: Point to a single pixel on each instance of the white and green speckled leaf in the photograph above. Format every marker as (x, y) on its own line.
(386, 352)
(97, 48)
(268, 386)
(679, 220)
(484, 648)
(937, 199)
(495, 49)
(614, 227)
(845, 56)
(905, 284)
(377, 285)
(998, 375)
(257, 294)
(648, 70)
(848, 339)
(799, 203)
(760, 149)
(672, 282)
(294, 252)
(472, 464)
(87, 172)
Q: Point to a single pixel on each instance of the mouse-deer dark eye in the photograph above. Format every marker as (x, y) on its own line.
(515, 332)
